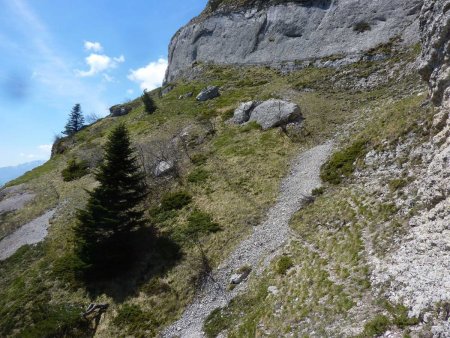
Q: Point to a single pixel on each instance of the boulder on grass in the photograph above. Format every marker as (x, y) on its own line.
(276, 113)
(208, 93)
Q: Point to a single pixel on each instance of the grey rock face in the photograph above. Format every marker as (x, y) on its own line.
(208, 93)
(291, 32)
(275, 113)
(119, 110)
(435, 33)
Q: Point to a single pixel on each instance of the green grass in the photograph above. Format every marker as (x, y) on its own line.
(342, 163)
(284, 264)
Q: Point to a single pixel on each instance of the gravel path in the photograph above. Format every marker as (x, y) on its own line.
(30, 233)
(262, 244)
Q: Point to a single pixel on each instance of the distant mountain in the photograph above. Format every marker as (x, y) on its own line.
(9, 173)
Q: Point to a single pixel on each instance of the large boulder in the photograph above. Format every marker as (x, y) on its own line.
(120, 110)
(208, 93)
(268, 114)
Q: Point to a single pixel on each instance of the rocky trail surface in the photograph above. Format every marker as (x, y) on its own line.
(259, 248)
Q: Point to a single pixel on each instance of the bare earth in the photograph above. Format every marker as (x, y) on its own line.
(259, 248)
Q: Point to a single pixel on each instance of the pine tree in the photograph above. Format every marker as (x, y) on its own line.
(149, 103)
(105, 227)
(76, 121)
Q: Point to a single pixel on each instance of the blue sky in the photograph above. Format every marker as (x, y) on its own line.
(55, 53)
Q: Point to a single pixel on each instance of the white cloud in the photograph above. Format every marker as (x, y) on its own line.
(120, 59)
(42, 152)
(130, 91)
(45, 148)
(99, 63)
(150, 76)
(93, 46)
(108, 78)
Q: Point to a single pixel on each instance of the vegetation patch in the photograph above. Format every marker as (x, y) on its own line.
(75, 170)
(342, 163)
(284, 264)
(175, 201)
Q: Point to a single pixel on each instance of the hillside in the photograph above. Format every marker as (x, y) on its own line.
(335, 225)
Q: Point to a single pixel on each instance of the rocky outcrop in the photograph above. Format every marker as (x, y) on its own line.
(270, 32)
(119, 110)
(435, 34)
(268, 114)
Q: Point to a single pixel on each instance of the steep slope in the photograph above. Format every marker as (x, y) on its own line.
(286, 33)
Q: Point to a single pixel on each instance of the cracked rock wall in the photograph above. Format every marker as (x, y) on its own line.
(290, 32)
(435, 34)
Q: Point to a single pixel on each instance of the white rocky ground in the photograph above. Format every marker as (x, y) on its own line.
(261, 245)
(416, 270)
(14, 198)
(30, 233)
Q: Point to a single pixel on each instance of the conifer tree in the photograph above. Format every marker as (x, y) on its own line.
(105, 227)
(149, 103)
(76, 121)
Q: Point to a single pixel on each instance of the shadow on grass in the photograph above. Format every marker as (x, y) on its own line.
(150, 256)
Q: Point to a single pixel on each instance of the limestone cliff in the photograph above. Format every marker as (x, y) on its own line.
(275, 32)
(435, 33)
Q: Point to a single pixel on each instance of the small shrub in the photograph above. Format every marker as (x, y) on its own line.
(199, 223)
(134, 318)
(376, 326)
(215, 323)
(397, 184)
(199, 159)
(198, 176)
(175, 201)
(342, 163)
(362, 27)
(284, 264)
(318, 191)
(74, 170)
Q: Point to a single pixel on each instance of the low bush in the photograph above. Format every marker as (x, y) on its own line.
(342, 163)
(198, 176)
(175, 201)
(362, 27)
(376, 326)
(284, 264)
(199, 223)
(199, 159)
(74, 170)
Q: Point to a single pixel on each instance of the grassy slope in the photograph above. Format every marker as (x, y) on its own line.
(240, 180)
